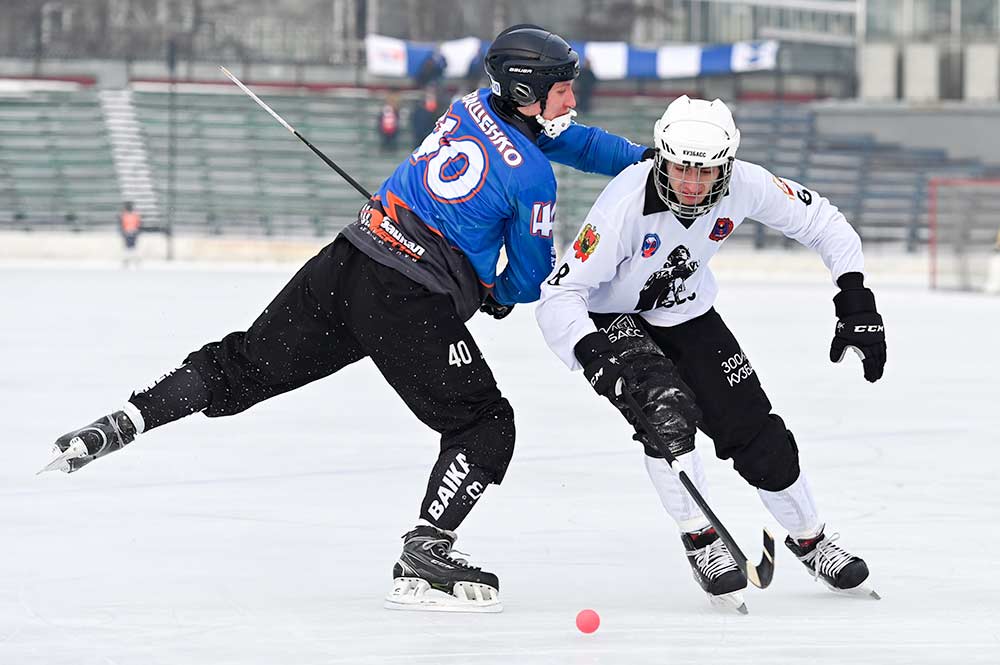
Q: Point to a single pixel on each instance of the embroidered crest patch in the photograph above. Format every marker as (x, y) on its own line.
(723, 227)
(650, 244)
(586, 242)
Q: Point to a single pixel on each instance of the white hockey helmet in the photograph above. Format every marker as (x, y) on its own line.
(699, 134)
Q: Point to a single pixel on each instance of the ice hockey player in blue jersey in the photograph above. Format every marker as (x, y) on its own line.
(397, 285)
(483, 179)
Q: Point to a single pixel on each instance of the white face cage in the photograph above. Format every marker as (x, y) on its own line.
(692, 191)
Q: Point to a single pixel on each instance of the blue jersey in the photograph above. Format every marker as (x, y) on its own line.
(479, 183)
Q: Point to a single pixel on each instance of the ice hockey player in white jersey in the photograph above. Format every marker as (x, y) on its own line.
(632, 304)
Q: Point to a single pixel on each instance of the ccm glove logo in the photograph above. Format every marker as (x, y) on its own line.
(603, 368)
(869, 329)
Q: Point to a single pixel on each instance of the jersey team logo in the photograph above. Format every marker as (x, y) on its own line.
(586, 242)
(723, 227)
(650, 244)
(622, 327)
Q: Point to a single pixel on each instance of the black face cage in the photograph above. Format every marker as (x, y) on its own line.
(661, 180)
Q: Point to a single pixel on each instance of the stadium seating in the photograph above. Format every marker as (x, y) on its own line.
(56, 165)
(237, 170)
(223, 166)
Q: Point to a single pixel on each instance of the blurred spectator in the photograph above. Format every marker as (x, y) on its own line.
(431, 70)
(388, 123)
(583, 88)
(130, 222)
(993, 274)
(474, 75)
(425, 114)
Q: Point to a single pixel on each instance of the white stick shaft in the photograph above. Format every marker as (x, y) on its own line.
(256, 99)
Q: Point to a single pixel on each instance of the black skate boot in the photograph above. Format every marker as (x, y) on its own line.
(429, 577)
(81, 447)
(839, 570)
(715, 570)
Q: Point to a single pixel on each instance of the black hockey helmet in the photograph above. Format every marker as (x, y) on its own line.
(525, 60)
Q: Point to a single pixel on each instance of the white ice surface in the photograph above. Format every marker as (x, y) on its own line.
(268, 538)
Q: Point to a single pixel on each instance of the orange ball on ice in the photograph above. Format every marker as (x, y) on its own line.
(587, 621)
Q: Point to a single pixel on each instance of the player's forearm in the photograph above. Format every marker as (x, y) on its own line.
(592, 150)
(564, 320)
(511, 290)
(839, 245)
(824, 229)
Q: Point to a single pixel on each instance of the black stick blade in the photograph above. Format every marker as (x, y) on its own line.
(761, 574)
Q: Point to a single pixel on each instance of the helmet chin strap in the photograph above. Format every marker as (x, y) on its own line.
(556, 126)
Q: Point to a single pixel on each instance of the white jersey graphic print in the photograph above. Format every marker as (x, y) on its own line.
(633, 255)
(666, 287)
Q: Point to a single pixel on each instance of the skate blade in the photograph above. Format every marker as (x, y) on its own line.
(732, 602)
(77, 448)
(861, 591)
(414, 594)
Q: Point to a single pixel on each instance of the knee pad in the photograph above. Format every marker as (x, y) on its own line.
(222, 369)
(666, 402)
(236, 380)
(489, 444)
(770, 460)
(204, 361)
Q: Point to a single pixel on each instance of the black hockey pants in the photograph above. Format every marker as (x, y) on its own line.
(341, 307)
(736, 413)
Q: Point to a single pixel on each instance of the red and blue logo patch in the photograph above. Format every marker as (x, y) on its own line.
(723, 227)
(650, 244)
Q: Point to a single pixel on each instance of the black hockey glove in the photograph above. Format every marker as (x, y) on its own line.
(601, 365)
(859, 326)
(495, 309)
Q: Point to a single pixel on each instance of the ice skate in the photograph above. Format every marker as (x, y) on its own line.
(838, 569)
(429, 577)
(715, 570)
(80, 447)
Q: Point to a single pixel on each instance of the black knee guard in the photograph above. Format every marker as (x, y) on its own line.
(652, 379)
(224, 369)
(489, 442)
(770, 460)
(235, 379)
(470, 460)
(665, 401)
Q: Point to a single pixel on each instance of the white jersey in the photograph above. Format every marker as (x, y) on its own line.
(633, 255)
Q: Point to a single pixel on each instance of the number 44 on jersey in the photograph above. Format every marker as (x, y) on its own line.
(543, 218)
